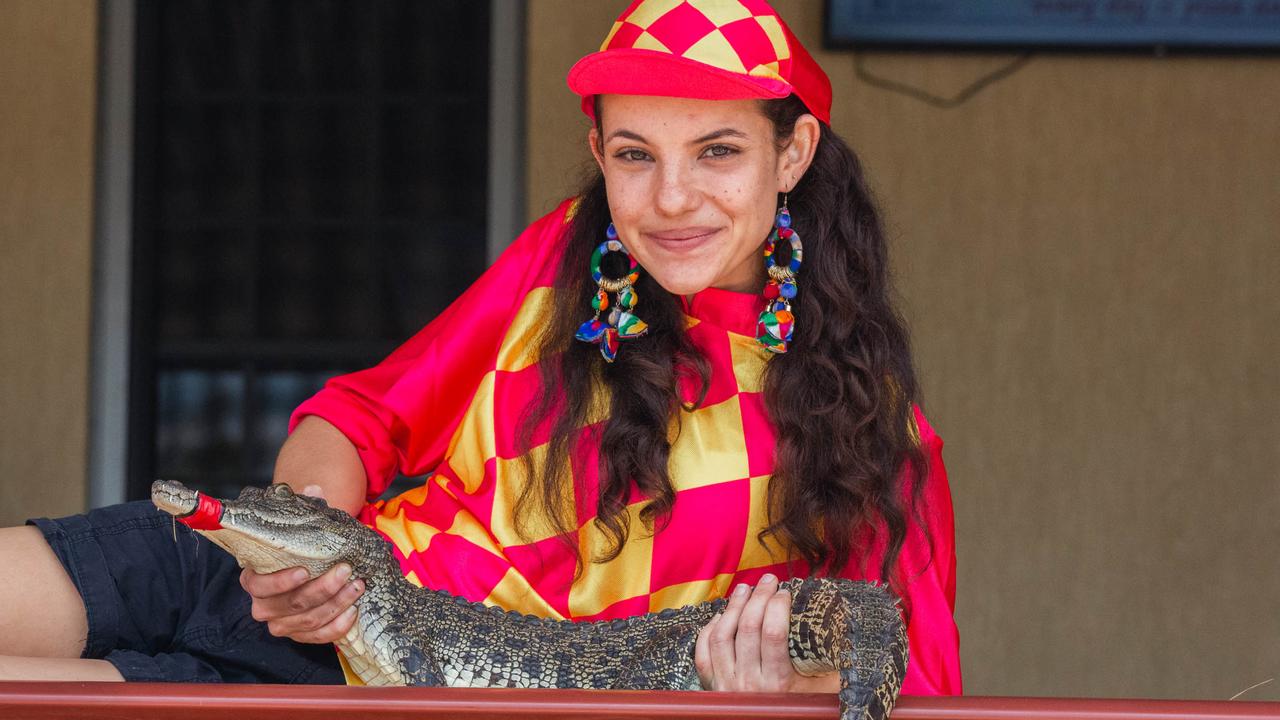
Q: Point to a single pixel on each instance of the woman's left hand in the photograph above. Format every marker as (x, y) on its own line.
(744, 648)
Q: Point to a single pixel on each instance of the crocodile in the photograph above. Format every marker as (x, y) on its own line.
(410, 635)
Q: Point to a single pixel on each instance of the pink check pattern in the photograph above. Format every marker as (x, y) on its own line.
(447, 403)
(741, 36)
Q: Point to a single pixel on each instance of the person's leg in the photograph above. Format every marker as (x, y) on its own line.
(42, 668)
(41, 614)
(141, 598)
(42, 619)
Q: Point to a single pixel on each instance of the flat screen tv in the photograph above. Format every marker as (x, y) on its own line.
(1240, 25)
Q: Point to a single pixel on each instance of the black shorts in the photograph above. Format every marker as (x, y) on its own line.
(165, 605)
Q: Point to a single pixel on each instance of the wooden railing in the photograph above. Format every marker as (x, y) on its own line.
(143, 701)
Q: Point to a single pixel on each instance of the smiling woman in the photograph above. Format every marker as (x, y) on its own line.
(844, 474)
(761, 422)
(692, 185)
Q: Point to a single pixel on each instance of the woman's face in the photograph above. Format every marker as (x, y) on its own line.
(693, 185)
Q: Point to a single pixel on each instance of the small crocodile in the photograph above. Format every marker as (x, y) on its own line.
(408, 635)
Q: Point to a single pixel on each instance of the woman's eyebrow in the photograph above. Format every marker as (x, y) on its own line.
(721, 133)
(714, 135)
(627, 134)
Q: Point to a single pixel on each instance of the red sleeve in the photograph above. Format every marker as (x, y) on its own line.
(928, 563)
(402, 413)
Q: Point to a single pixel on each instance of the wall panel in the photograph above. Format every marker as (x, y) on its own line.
(1088, 252)
(47, 95)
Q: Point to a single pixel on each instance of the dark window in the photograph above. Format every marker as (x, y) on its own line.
(310, 192)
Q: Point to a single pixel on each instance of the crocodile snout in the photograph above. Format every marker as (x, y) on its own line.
(173, 497)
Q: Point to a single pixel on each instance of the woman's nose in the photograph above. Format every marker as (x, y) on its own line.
(675, 194)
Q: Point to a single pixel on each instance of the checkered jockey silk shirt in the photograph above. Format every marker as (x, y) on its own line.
(446, 405)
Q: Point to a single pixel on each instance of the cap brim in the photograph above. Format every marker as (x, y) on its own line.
(650, 72)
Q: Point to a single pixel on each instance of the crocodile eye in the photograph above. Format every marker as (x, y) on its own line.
(281, 490)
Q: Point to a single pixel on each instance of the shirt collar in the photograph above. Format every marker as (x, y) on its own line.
(736, 312)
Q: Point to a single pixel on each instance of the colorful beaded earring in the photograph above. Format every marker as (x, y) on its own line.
(620, 323)
(776, 323)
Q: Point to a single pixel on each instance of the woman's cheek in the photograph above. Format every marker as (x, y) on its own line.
(627, 199)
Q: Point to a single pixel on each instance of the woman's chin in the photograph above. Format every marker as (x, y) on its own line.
(683, 286)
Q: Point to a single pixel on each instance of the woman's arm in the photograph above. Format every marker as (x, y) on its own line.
(317, 454)
(317, 460)
(928, 564)
(745, 647)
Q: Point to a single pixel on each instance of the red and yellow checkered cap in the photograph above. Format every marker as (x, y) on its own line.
(707, 49)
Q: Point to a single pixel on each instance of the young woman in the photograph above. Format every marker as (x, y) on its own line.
(685, 382)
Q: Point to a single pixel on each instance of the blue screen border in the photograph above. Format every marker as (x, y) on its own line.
(955, 37)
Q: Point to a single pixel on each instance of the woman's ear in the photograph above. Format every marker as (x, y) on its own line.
(795, 158)
(593, 141)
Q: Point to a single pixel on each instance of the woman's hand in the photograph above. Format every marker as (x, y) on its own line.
(745, 648)
(321, 610)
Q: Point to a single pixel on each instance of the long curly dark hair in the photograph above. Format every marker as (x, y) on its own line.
(840, 399)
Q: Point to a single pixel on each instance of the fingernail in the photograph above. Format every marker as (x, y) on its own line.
(358, 585)
(300, 574)
(769, 578)
(349, 612)
(740, 590)
(344, 572)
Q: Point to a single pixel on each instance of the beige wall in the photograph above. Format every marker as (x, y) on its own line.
(1090, 254)
(47, 63)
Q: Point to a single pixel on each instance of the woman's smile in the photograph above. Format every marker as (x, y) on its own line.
(682, 240)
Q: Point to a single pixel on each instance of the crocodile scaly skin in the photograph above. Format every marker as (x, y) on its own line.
(407, 635)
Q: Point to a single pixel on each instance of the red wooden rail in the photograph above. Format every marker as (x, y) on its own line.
(145, 701)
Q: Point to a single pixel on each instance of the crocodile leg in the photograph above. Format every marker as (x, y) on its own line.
(419, 668)
(663, 663)
(872, 657)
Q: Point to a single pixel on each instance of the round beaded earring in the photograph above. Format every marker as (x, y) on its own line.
(619, 323)
(777, 323)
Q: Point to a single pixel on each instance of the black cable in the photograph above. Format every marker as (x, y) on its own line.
(927, 97)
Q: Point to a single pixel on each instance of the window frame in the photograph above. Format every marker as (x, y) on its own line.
(122, 372)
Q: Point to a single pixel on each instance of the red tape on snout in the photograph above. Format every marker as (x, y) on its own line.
(206, 516)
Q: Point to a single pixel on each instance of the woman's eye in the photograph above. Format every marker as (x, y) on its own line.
(719, 151)
(634, 155)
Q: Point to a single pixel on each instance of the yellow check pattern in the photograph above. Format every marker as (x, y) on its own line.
(739, 36)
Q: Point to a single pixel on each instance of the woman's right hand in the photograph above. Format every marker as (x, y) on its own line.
(321, 610)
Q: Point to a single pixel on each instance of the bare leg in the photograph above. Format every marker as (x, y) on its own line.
(39, 668)
(41, 614)
(42, 620)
